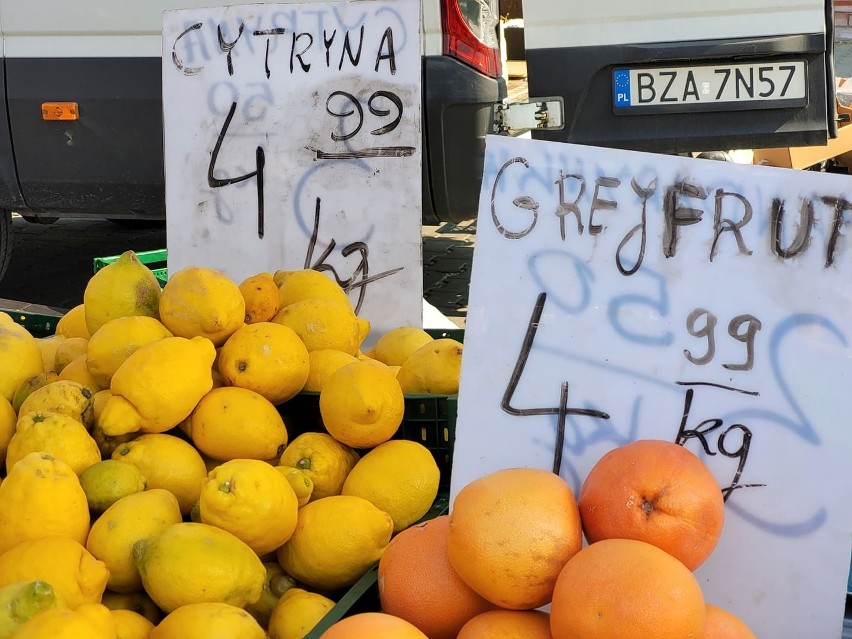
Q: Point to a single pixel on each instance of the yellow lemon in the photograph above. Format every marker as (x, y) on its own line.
(210, 464)
(295, 286)
(362, 404)
(194, 563)
(276, 584)
(363, 329)
(92, 621)
(23, 600)
(76, 575)
(336, 540)
(260, 293)
(158, 385)
(69, 350)
(62, 396)
(252, 500)
(231, 423)
(300, 482)
(47, 346)
(166, 462)
(56, 434)
(322, 363)
(138, 602)
(433, 369)
(108, 481)
(267, 358)
(195, 513)
(8, 419)
(399, 477)
(107, 443)
(30, 385)
(73, 323)
(208, 621)
(116, 340)
(218, 380)
(99, 400)
(131, 518)
(204, 302)
(21, 356)
(296, 614)
(323, 459)
(77, 370)
(395, 346)
(131, 625)
(125, 287)
(48, 491)
(322, 323)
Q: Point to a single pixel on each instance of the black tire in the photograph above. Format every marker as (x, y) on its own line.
(5, 240)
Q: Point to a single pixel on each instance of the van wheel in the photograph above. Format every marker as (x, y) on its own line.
(5, 240)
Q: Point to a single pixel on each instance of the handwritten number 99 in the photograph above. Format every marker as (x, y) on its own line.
(350, 106)
(743, 328)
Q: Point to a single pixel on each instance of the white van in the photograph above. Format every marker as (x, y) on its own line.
(685, 75)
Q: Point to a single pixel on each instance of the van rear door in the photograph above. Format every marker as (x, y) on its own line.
(685, 75)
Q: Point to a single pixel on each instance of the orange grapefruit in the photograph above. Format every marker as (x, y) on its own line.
(654, 491)
(511, 532)
(625, 589)
(418, 584)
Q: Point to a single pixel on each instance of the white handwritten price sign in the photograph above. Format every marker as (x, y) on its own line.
(293, 140)
(618, 295)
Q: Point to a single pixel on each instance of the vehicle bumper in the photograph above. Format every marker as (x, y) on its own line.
(582, 76)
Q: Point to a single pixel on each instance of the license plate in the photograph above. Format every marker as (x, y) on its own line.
(712, 87)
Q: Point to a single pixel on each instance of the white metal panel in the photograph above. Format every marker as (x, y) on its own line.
(433, 36)
(561, 23)
(118, 28)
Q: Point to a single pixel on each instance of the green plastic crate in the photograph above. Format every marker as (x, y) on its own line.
(428, 419)
(38, 324)
(155, 260)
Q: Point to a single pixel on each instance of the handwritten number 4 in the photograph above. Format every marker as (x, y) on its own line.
(562, 411)
(260, 162)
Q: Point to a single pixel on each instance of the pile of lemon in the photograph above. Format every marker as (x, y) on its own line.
(152, 487)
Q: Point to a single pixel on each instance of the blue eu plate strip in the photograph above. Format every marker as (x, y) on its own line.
(621, 87)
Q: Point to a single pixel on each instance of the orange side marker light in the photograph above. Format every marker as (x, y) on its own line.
(59, 111)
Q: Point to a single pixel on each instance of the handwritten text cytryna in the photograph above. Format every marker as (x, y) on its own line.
(619, 295)
(300, 49)
(293, 140)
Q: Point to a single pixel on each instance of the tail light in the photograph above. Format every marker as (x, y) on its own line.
(470, 34)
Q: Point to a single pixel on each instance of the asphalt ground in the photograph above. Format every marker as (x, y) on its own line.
(51, 263)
